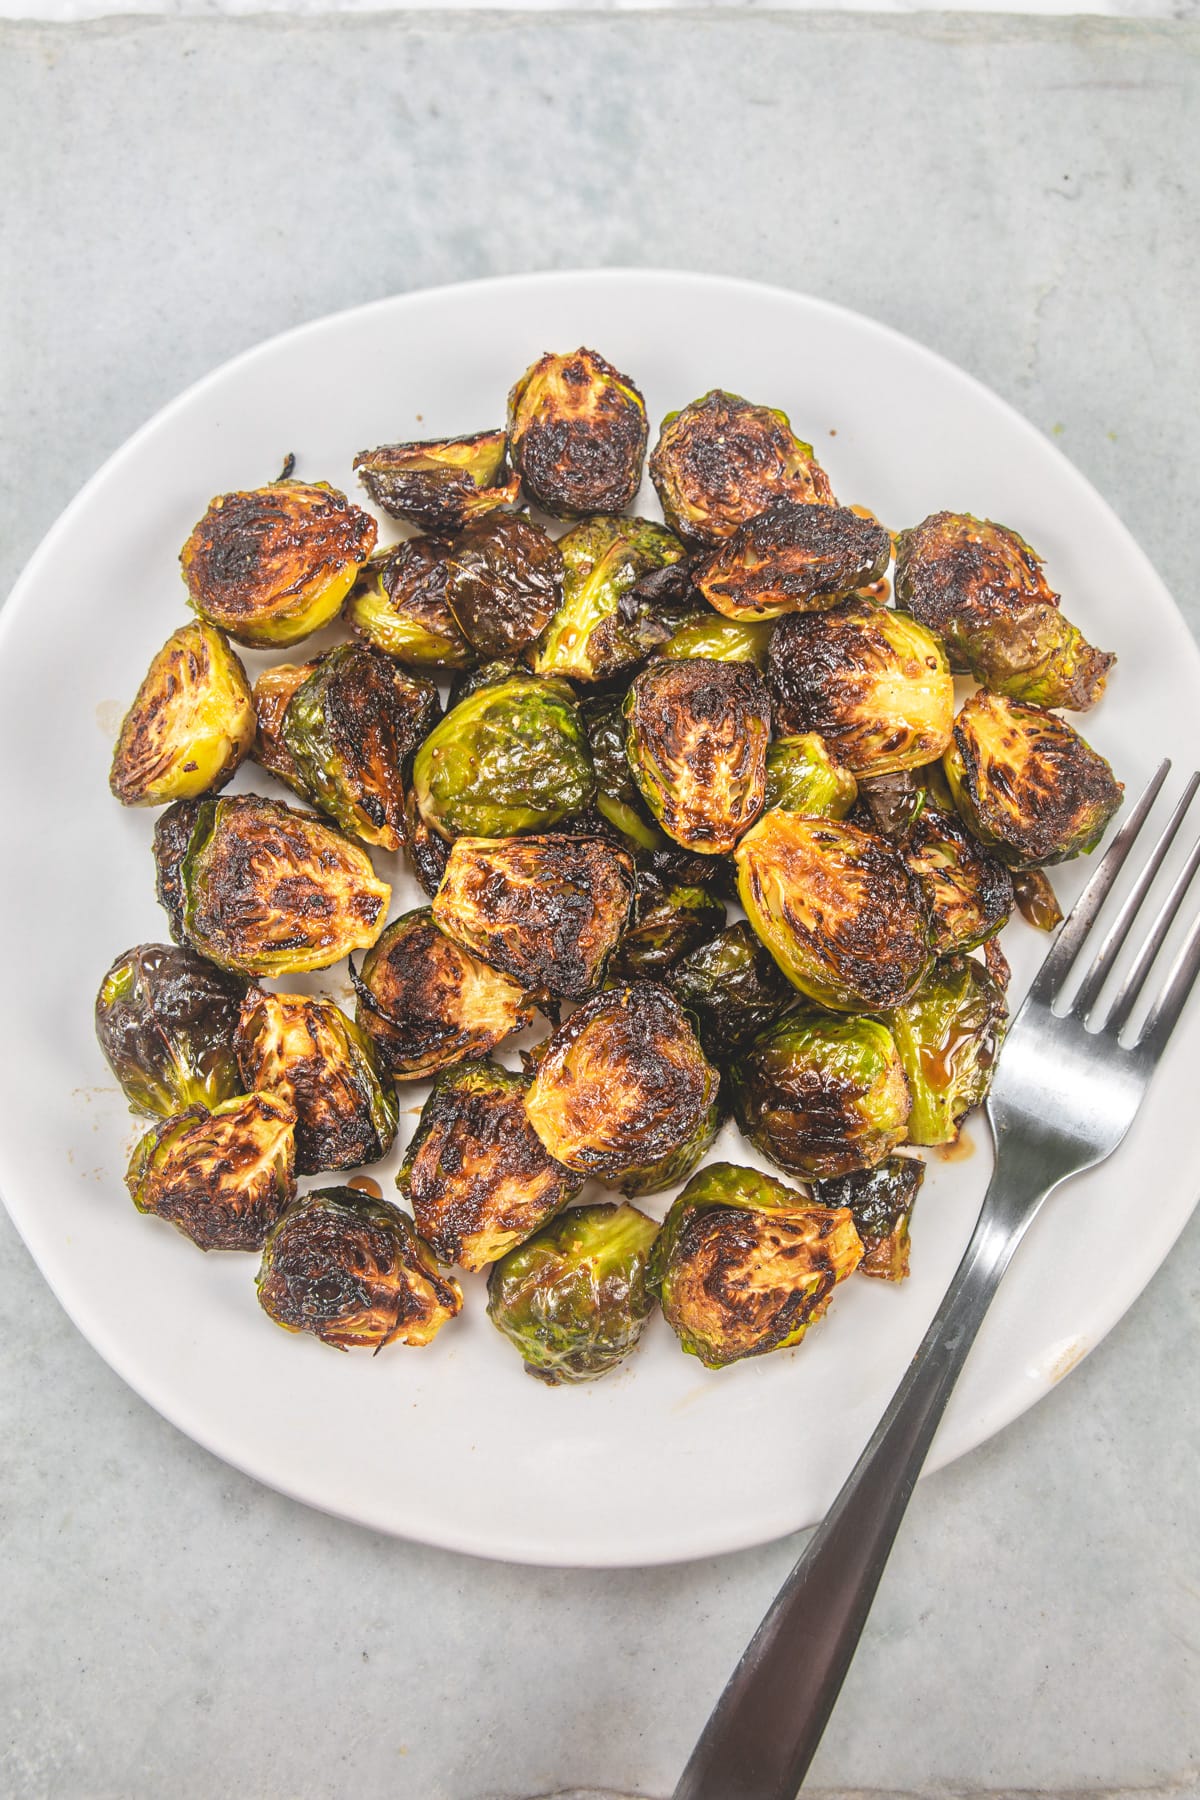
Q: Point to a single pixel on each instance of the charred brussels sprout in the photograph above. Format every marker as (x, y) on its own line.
(1026, 782)
(426, 1003)
(724, 640)
(399, 604)
(744, 1264)
(476, 1174)
(822, 1096)
(307, 1052)
(981, 588)
(837, 908)
(261, 889)
(948, 1037)
(880, 1201)
(792, 559)
(733, 988)
(722, 460)
(668, 921)
(592, 637)
(221, 1177)
(549, 911)
(166, 1021)
(577, 435)
(804, 776)
(273, 565)
(190, 725)
(510, 758)
(352, 1271)
(272, 695)
(889, 804)
(618, 797)
(968, 891)
(426, 853)
(573, 1298)
(441, 483)
(505, 583)
(697, 734)
(874, 684)
(624, 1091)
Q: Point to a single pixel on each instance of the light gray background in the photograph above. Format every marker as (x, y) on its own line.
(1023, 197)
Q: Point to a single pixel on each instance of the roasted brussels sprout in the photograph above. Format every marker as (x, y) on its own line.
(880, 1201)
(623, 1089)
(744, 1264)
(590, 637)
(981, 588)
(573, 1298)
(426, 853)
(804, 776)
(968, 891)
(874, 684)
(426, 1003)
(821, 1095)
(733, 988)
(476, 1174)
(441, 483)
(272, 695)
(273, 565)
(618, 797)
(1036, 900)
(261, 889)
(722, 460)
(510, 758)
(792, 559)
(697, 745)
(307, 1052)
(166, 1021)
(488, 674)
(351, 1270)
(667, 922)
(577, 435)
(948, 1037)
(190, 725)
(725, 640)
(549, 911)
(837, 908)
(505, 583)
(1026, 782)
(399, 604)
(221, 1177)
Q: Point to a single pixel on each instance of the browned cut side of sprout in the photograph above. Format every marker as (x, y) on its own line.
(722, 460)
(440, 483)
(223, 1177)
(272, 692)
(792, 558)
(577, 435)
(190, 725)
(697, 734)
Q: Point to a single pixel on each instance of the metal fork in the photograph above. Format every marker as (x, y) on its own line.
(1062, 1099)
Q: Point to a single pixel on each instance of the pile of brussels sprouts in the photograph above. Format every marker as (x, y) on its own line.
(645, 721)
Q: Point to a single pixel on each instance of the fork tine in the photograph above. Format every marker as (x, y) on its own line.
(1069, 941)
(1171, 1001)
(1126, 997)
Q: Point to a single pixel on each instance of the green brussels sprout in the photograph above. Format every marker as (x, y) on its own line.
(948, 1037)
(399, 604)
(510, 758)
(722, 460)
(549, 911)
(190, 725)
(733, 988)
(425, 852)
(880, 1201)
(573, 1297)
(744, 1264)
(623, 1086)
(697, 734)
(350, 729)
(873, 682)
(306, 1052)
(441, 483)
(426, 1003)
(837, 908)
(1036, 900)
(618, 797)
(273, 565)
(261, 889)
(821, 1095)
(667, 922)
(577, 435)
(804, 776)
(981, 588)
(724, 640)
(166, 1021)
(351, 1270)
(475, 1173)
(272, 695)
(968, 891)
(793, 559)
(591, 637)
(505, 583)
(1026, 783)
(221, 1177)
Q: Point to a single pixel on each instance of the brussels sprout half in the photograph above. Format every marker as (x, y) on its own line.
(223, 1177)
(722, 460)
(724, 640)
(505, 583)
(166, 1021)
(577, 435)
(351, 1270)
(273, 565)
(803, 776)
(948, 1037)
(697, 734)
(591, 637)
(272, 696)
(440, 483)
(733, 988)
(744, 1264)
(880, 1201)
(399, 604)
(618, 798)
(573, 1298)
(668, 921)
(969, 892)
(793, 558)
(190, 725)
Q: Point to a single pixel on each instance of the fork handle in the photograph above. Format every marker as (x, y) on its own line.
(764, 1730)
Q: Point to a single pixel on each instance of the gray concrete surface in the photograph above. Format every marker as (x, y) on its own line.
(1022, 196)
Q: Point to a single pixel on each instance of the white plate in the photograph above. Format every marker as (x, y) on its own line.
(453, 1444)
